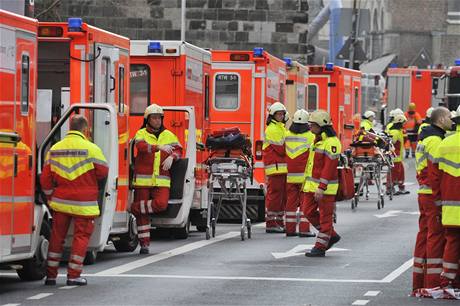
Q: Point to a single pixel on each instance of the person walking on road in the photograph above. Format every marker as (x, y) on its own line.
(321, 182)
(157, 148)
(298, 140)
(397, 172)
(413, 121)
(274, 157)
(429, 246)
(446, 192)
(74, 172)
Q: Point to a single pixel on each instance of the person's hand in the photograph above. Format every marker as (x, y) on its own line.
(319, 194)
(166, 148)
(167, 163)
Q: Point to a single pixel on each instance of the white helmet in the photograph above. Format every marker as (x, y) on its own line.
(429, 111)
(320, 117)
(369, 114)
(276, 107)
(399, 119)
(396, 111)
(286, 117)
(301, 116)
(453, 114)
(153, 109)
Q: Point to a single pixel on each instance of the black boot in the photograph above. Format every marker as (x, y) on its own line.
(332, 241)
(77, 282)
(316, 253)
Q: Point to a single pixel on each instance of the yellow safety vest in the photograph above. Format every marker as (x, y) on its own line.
(274, 135)
(366, 125)
(424, 152)
(155, 179)
(398, 136)
(296, 145)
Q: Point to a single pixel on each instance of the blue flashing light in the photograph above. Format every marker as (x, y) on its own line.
(154, 47)
(74, 24)
(288, 61)
(457, 62)
(258, 52)
(393, 65)
(329, 66)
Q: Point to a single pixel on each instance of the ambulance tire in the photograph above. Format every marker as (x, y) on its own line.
(127, 242)
(35, 268)
(90, 258)
(182, 232)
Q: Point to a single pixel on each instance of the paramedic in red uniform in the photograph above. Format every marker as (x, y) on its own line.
(298, 141)
(274, 156)
(321, 182)
(75, 170)
(157, 148)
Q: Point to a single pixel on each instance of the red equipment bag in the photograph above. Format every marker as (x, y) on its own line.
(346, 190)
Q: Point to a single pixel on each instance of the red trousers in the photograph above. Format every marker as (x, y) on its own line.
(320, 214)
(397, 175)
(451, 257)
(429, 246)
(275, 200)
(294, 193)
(148, 201)
(83, 228)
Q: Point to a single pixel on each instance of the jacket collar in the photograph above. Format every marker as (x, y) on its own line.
(432, 130)
(76, 133)
(277, 123)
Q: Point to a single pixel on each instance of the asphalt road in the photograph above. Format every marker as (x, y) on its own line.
(371, 265)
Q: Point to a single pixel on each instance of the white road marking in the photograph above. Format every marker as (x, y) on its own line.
(395, 213)
(165, 255)
(259, 225)
(360, 302)
(248, 278)
(67, 287)
(372, 293)
(39, 296)
(396, 273)
(300, 250)
(11, 304)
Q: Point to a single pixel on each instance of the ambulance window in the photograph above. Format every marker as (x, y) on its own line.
(25, 84)
(105, 77)
(121, 89)
(312, 97)
(206, 96)
(139, 88)
(227, 91)
(356, 100)
(281, 93)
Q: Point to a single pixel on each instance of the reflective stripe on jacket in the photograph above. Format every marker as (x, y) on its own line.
(446, 179)
(297, 146)
(148, 170)
(398, 141)
(323, 159)
(429, 141)
(274, 154)
(70, 176)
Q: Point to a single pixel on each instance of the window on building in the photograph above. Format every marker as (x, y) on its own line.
(139, 89)
(227, 91)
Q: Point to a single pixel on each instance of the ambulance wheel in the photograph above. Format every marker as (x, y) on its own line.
(127, 242)
(35, 268)
(90, 258)
(182, 232)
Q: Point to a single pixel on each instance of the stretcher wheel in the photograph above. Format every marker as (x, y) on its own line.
(243, 233)
(201, 228)
(249, 227)
(90, 258)
(382, 201)
(208, 234)
(354, 202)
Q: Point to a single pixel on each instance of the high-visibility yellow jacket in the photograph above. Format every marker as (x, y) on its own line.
(297, 146)
(424, 124)
(429, 140)
(274, 154)
(72, 170)
(366, 125)
(398, 141)
(446, 182)
(323, 159)
(148, 170)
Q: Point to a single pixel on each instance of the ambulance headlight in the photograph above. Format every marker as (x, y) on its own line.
(457, 62)
(329, 66)
(154, 47)
(288, 61)
(258, 52)
(74, 24)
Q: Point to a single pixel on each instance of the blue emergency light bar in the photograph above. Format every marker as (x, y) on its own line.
(288, 61)
(457, 62)
(329, 66)
(74, 24)
(393, 65)
(258, 52)
(154, 47)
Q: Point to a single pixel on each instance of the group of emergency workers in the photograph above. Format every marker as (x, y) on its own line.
(75, 173)
(301, 175)
(437, 248)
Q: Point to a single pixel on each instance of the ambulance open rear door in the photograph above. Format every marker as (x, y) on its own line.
(108, 126)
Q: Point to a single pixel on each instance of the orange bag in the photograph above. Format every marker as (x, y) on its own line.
(346, 190)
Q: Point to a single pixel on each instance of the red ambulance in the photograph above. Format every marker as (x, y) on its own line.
(297, 86)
